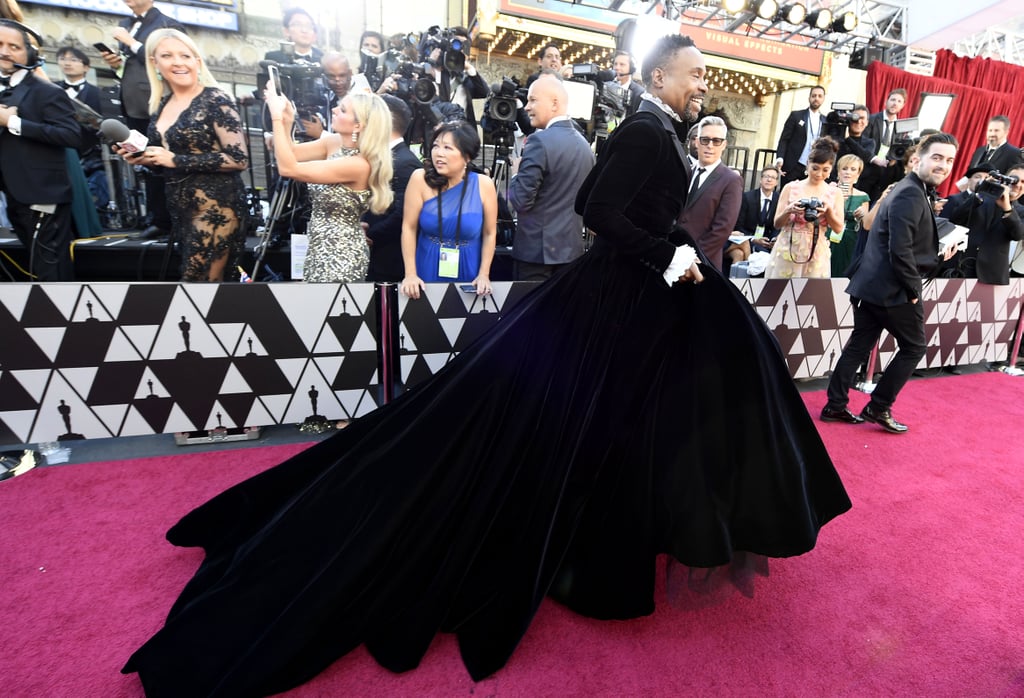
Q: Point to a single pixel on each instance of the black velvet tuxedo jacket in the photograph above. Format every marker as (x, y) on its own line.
(750, 213)
(635, 192)
(710, 213)
(134, 80)
(1004, 157)
(902, 248)
(33, 168)
(385, 230)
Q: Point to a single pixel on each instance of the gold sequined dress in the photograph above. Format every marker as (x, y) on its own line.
(337, 246)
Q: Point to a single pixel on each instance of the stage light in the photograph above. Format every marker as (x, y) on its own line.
(765, 9)
(820, 19)
(734, 7)
(846, 23)
(792, 14)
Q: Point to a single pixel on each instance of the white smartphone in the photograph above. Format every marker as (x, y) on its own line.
(275, 79)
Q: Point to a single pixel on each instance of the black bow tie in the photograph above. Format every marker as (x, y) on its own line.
(76, 88)
(5, 80)
(137, 18)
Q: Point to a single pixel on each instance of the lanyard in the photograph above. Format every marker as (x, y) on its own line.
(458, 219)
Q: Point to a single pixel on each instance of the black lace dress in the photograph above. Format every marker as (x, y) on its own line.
(205, 194)
(590, 431)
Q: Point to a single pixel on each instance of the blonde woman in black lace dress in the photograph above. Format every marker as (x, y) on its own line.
(196, 134)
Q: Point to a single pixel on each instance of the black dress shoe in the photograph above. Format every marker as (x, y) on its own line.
(844, 415)
(883, 418)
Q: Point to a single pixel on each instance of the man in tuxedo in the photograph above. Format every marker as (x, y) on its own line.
(881, 170)
(74, 65)
(886, 286)
(757, 212)
(129, 62)
(556, 160)
(713, 202)
(994, 222)
(37, 124)
(299, 31)
(997, 151)
(801, 129)
(384, 231)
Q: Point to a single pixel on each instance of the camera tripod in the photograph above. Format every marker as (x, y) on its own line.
(500, 174)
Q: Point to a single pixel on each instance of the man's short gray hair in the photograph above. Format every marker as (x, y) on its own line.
(711, 121)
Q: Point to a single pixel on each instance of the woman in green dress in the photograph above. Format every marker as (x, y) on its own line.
(844, 242)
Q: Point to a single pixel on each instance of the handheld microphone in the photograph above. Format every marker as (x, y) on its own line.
(129, 139)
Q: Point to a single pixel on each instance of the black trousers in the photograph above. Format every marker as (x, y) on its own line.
(532, 271)
(906, 324)
(49, 248)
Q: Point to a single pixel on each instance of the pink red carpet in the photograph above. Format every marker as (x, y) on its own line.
(915, 592)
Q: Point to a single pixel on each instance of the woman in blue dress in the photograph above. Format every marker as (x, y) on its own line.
(449, 226)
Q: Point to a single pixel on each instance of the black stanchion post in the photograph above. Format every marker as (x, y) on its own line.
(388, 365)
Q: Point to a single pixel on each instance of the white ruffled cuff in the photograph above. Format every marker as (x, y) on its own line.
(681, 261)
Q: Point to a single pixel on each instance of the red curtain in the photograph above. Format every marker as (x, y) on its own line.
(985, 73)
(968, 116)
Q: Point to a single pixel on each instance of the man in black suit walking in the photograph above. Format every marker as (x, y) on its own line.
(802, 128)
(130, 64)
(37, 123)
(886, 285)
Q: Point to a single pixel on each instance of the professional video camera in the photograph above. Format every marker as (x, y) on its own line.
(412, 83)
(810, 207)
(303, 84)
(838, 120)
(602, 104)
(453, 48)
(995, 182)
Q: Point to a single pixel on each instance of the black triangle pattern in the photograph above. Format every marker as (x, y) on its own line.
(117, 360)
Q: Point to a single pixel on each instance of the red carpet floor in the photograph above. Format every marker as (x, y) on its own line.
(915, 592)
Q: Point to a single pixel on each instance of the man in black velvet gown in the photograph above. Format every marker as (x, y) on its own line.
(600, 444)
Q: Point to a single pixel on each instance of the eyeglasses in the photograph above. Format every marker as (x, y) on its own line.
(70, 59)
(707, 140)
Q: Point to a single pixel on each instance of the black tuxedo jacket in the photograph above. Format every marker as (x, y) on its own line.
(385, 230)
(1002, 159)
(134, 80)
(710, 214)
(750, 213)
(988, 247)
(33, 167)
(793, 139)
(89, 95)
(635, 192)
(901, 248)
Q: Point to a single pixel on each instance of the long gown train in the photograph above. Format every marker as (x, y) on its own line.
(592, 429)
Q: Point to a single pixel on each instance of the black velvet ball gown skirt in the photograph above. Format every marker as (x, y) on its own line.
(590, 431)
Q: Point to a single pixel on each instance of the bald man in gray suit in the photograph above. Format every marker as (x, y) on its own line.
(556, 160)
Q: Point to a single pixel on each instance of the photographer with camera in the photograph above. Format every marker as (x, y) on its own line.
(456, 79)
(852, 137)
(807, 210)
(371, 58)
(989, 209)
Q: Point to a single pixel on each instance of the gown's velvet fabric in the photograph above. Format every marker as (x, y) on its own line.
(588, 432)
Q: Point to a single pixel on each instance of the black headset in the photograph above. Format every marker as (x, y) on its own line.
(33, 60)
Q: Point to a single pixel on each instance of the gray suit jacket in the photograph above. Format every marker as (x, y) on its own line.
(710, 215)
(555, 162)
